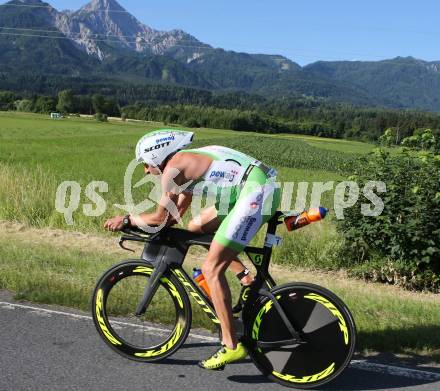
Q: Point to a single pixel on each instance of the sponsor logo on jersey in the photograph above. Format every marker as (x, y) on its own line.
(249, 224)
(223, 174)
(244, 226)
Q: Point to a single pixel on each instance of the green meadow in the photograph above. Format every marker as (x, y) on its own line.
(34, 147)
(38, 153)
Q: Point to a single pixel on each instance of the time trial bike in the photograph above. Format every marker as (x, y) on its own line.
(298, 334)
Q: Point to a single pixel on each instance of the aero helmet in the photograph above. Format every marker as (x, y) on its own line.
(156, 146)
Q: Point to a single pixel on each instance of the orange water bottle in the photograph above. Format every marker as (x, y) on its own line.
(305, 218)
(201, 282)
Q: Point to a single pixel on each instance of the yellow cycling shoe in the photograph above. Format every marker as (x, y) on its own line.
(224, 356)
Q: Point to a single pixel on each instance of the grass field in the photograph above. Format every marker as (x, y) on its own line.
(37, 154)
(83, 150)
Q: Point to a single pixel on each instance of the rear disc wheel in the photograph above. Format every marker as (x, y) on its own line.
(324, 323)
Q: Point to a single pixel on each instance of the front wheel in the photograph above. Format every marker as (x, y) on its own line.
(323, 322)
(156, 334)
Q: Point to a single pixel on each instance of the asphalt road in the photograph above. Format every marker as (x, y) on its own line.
(53, 348)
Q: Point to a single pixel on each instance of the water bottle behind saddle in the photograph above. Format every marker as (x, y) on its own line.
(305, 218)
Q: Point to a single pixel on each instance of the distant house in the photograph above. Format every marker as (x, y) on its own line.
(55, 115)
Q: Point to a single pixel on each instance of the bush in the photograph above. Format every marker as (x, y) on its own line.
(404, 274)
(101, 117)
(23, 105)
(44, 105)
(191, 123)
(7, 100)
(402, 245)
(423, 139)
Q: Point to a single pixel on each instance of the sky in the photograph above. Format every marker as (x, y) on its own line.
(304, 31)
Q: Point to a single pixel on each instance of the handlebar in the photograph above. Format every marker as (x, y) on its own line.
(136, 235)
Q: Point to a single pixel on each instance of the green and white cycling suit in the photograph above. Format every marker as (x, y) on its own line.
(245, 190)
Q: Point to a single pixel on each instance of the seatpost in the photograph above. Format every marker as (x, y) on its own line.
(271, 229)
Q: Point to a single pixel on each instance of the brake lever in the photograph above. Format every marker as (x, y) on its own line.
(135, 237)
(121, 244)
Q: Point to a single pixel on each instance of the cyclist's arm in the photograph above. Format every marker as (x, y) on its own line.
(171, 205)
(183, 204)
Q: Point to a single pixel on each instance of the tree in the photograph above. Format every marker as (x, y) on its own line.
(66, 101)
(422, 139)
(99, 103)
(84, 104)
(44, 104)
(388, 138)
(427, 139)
(23, 105)
(6, 100)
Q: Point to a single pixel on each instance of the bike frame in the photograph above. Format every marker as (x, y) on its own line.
(166, 251)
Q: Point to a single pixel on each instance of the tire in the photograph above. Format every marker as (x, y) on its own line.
(324, 323)
(155, 335)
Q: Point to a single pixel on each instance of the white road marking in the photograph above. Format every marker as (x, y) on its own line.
(396, 371)
(39, 310)
(358, 364)
(8, 306)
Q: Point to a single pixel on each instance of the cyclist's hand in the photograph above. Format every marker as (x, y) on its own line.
(114, 224)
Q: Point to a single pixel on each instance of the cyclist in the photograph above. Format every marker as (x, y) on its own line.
(246, 197)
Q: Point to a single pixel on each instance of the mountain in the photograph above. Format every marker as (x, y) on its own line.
(101, 42)
(32, 43)
(104, 22)
(103, 28)
(24, 44)
(400, 82)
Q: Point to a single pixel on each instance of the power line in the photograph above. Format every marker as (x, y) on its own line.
(50, 7)
(320, 27)
(182, 46)
(93, 35)
(78, 35)
(96, 40)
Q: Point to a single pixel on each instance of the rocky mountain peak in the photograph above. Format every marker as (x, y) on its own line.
(103, 5)
(103, 23)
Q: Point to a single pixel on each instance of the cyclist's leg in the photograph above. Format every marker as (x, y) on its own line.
(205, 222)
(257, 202)
(208, 221)
(217, 261)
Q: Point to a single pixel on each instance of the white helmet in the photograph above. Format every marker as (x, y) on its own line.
(156, 146)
